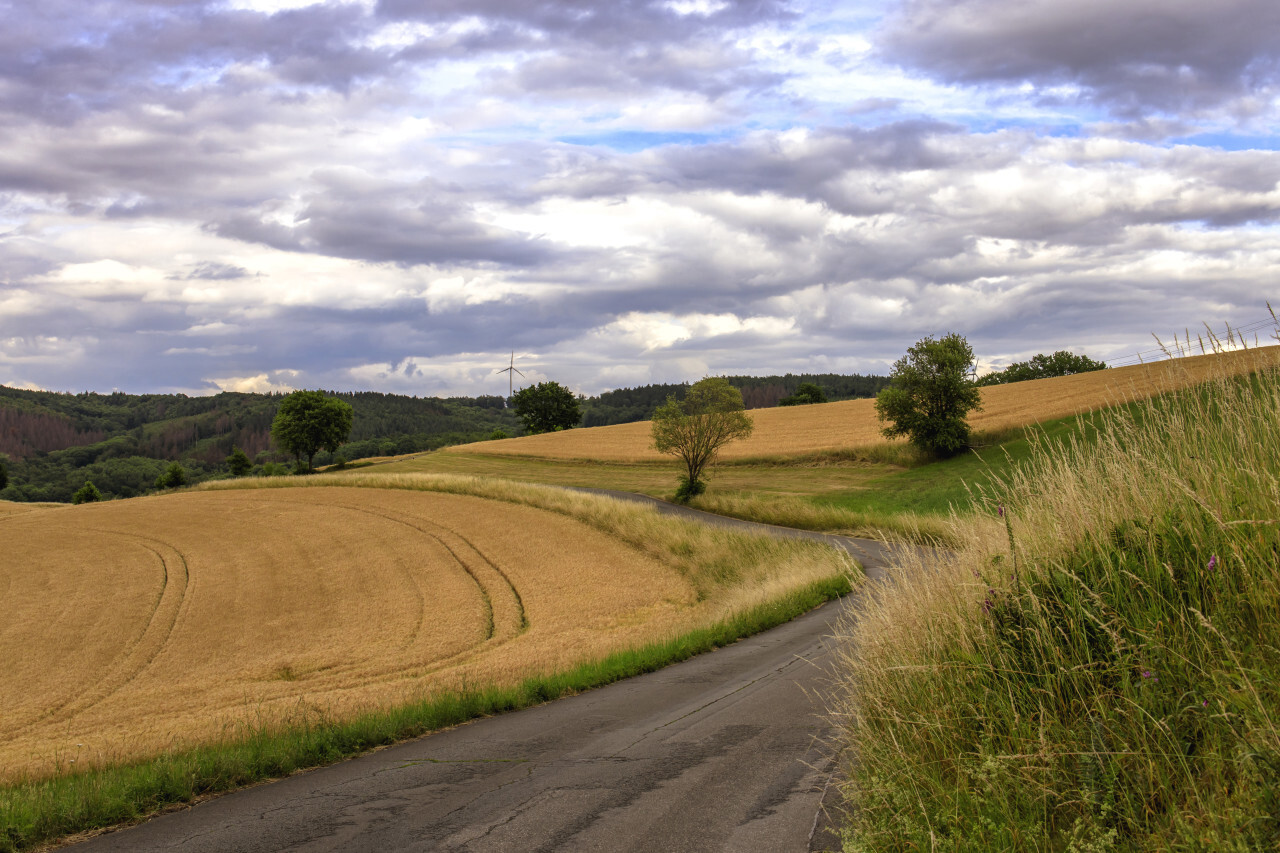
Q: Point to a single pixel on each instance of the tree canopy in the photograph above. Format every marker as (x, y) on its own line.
(309, 421)
(1041, 366)
(546, 407)
(694, 428)
(930, 394)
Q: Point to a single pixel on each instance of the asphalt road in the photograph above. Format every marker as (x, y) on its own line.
(727, 751)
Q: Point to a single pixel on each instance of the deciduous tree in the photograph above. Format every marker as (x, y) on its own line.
(546, 407)
(695, 428)
(930, 394)
(308, 421)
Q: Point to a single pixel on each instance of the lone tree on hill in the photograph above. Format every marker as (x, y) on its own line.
(308, 421)
(546, 407)
(807, 394)
(710, 416)
(929, 395)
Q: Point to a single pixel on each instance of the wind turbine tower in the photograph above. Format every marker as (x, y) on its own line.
(511, 370)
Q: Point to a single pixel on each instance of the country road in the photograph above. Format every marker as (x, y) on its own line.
(728, 751)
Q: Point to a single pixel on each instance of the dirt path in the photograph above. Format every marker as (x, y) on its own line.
(726, 751)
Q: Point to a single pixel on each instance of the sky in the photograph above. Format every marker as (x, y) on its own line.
(396, 195)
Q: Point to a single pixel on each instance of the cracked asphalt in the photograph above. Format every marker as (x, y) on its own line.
(728, 751)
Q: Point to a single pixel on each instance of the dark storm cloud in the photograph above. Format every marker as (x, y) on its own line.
(1132, 57)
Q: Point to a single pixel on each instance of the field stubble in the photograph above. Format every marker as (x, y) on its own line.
(144, 626)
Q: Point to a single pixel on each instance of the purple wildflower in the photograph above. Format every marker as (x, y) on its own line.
(1213, 562)
(1000, 509)
(1146, 673)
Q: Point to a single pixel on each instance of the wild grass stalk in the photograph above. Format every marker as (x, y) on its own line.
(1098, 666)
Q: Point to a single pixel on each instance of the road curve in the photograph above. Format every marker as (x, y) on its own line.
(727, 751)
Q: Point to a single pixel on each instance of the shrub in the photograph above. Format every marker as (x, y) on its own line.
(86, 494)
(238, 463)
(173, 477)
(806, 395)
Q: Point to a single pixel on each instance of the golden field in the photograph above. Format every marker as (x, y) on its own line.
(140, 625)
(799, 430)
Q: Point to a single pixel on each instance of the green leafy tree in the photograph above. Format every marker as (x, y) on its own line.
(1041, 366)
(807, 394)
(930, 394)
(86, 494)
(546, 407)
(498, 434)
(695, 428)
(239, 463)
(173, 477)
(308, 421)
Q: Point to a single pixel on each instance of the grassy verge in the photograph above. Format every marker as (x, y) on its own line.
(1099, 666)
(38, 811)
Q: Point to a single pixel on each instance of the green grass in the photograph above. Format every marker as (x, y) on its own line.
(36, 812)
(1099, 667)
(872, 492)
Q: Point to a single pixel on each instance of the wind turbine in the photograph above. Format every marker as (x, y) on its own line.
(511, 370)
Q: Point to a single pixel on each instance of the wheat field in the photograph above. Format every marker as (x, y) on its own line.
(137, 626)
(851, 424)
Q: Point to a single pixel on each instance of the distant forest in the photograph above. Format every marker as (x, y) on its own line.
(758, 392)
(55, 442)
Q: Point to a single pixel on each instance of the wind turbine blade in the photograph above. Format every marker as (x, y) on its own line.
(517, 370)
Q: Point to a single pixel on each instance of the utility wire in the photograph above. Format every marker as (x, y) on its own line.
(1205, 340)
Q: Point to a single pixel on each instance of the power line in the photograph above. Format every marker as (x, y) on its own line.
(1180, 346)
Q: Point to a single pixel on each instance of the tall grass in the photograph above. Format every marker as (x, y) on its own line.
(1098, 667)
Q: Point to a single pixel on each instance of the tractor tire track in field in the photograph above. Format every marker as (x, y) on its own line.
(504, 609)
(507, 615)
(138, 653)
(727, 751)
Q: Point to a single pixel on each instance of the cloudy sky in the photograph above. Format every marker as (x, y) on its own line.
(395, 194)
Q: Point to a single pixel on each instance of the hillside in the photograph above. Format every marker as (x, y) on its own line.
(122, 442)
(852, 424)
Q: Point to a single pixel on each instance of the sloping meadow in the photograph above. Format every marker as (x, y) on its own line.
(1098, 666)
